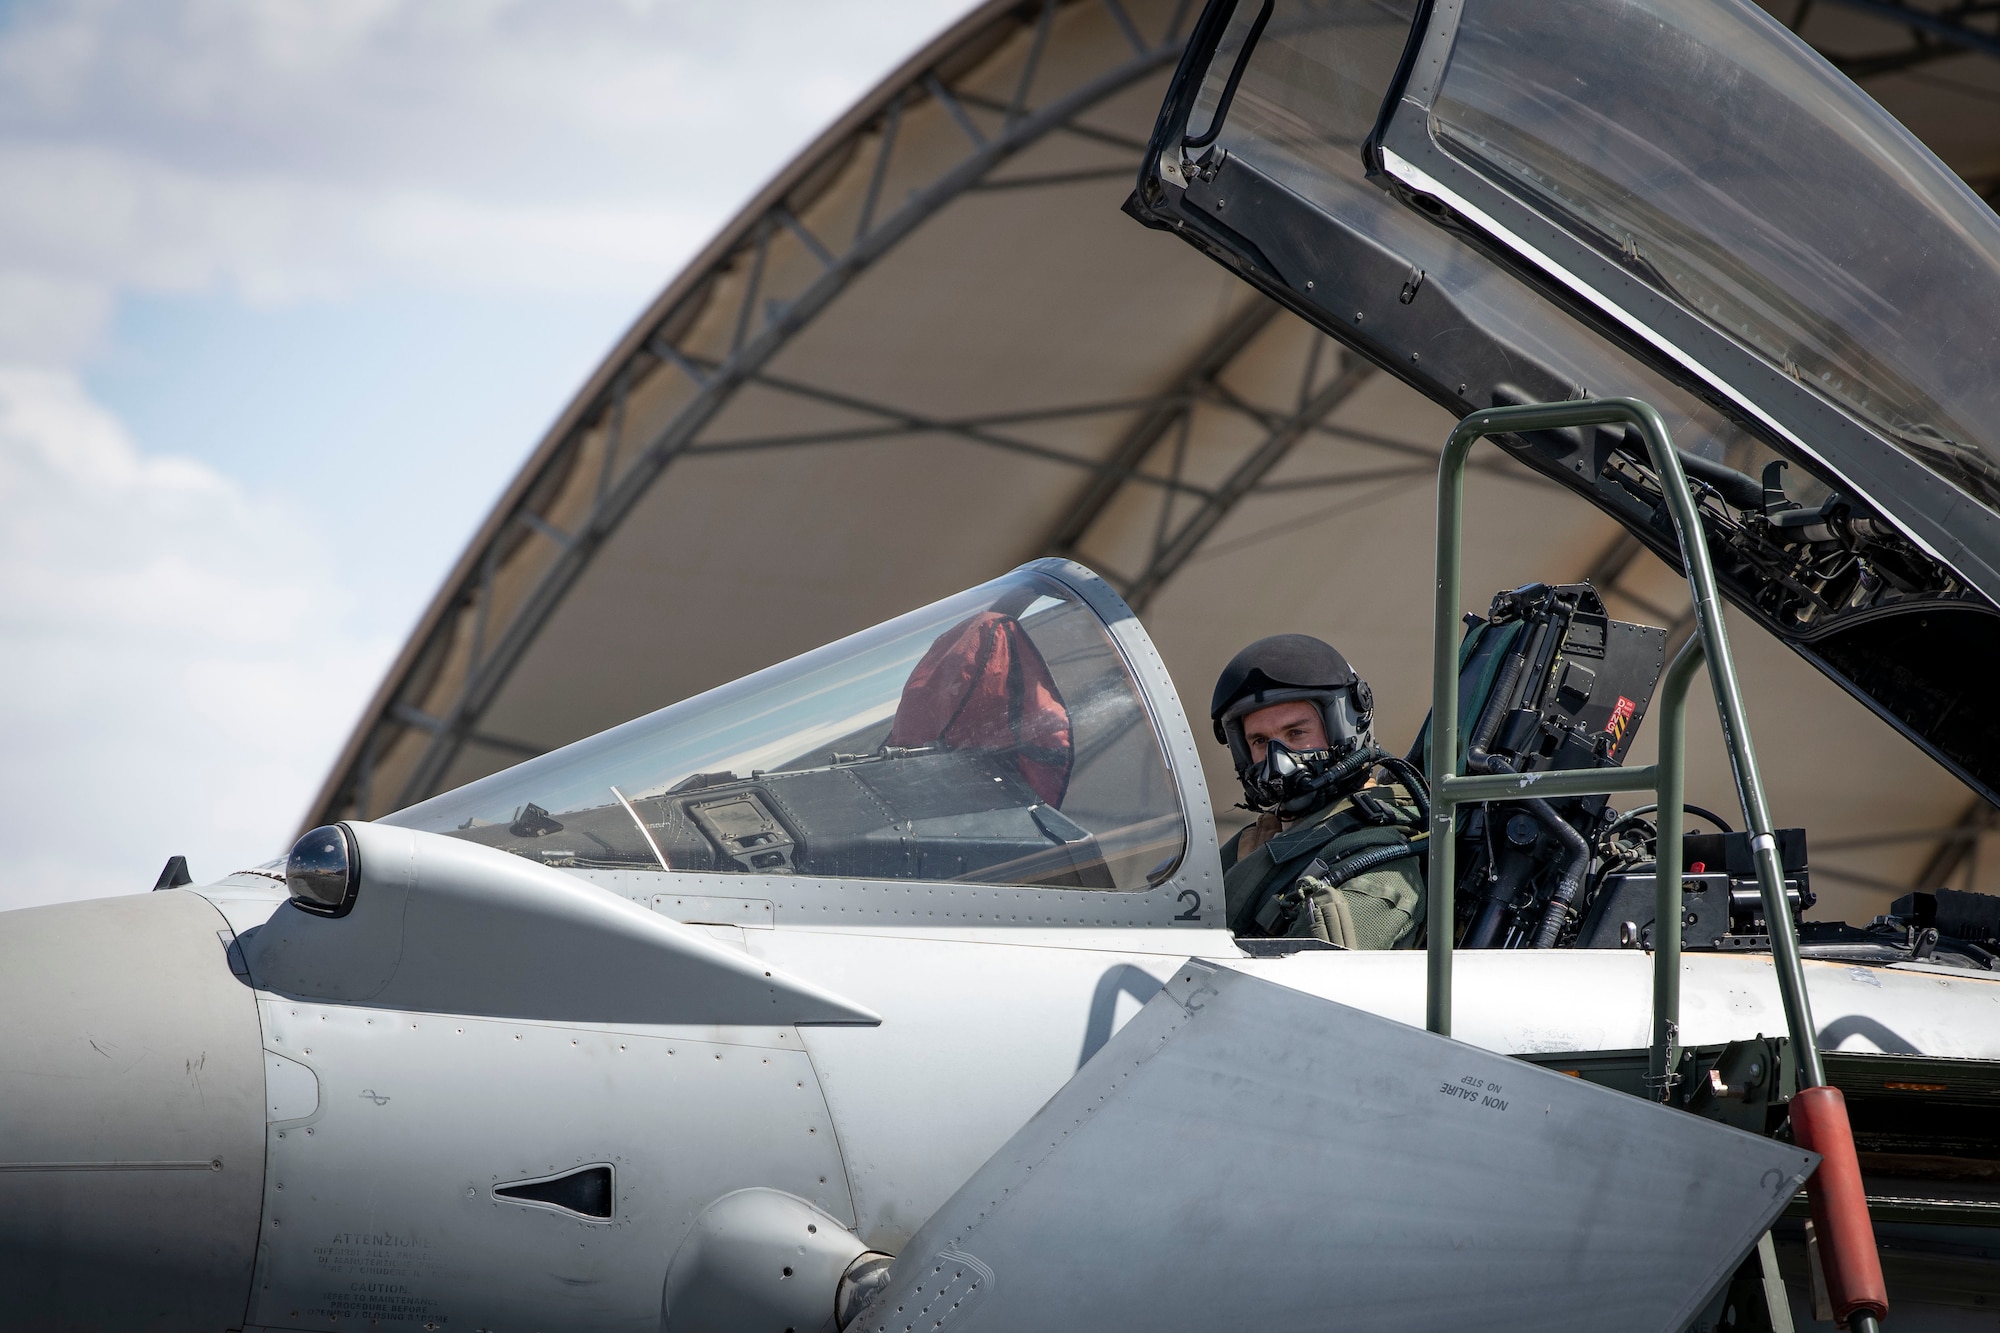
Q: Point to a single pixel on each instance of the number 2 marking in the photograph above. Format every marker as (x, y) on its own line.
(1193, 912)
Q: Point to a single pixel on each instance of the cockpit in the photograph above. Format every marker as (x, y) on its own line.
(996, 737)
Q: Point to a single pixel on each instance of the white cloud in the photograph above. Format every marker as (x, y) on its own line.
(178, 662)
(49, 318)
(286, 151)
(176, 669)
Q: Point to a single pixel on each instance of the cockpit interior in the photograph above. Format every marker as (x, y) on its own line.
(997, 737)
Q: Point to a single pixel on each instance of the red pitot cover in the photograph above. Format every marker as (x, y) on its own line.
(984, 686)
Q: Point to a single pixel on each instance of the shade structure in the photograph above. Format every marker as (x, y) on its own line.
(933, 348)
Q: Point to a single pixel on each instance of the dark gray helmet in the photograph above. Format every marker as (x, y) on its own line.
(1280, 669)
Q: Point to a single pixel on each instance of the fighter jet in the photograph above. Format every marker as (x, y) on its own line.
(893, 987)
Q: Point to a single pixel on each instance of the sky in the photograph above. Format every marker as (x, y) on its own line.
(288, 290)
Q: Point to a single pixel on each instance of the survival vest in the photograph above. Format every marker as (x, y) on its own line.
(1352, 875)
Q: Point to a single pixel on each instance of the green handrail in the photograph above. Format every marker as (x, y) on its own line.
(1839, 1198)
(1671, 716)
(1450, 788)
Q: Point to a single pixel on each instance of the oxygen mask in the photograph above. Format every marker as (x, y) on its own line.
(1291, 782)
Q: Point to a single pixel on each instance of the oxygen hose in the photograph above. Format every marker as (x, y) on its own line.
(1361, 862)
(1333, 784)
(1370, 757)
(1413, 781)
(1348, 867)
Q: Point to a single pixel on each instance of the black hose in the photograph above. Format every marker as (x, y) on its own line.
(1571, 883)
(1413, 781)
(1360, 761)
(1361, 862)
(1496, 707)
(1332, 876)
(1709, 815)
(1741, 490)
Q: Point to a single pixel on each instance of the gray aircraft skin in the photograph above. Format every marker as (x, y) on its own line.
(890, 988)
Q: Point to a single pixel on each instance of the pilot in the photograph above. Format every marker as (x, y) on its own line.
(1336, 852)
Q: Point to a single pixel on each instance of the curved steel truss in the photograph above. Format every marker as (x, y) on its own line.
(1932, 31)
(843, 205)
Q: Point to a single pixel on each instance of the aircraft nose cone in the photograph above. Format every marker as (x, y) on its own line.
(131, 1117)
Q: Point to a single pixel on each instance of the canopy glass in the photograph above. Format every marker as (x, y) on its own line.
(996, 737)
(1735, 170)
(1701, 167)
(1303, 108)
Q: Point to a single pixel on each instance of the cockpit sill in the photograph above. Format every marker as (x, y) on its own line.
(692, 898)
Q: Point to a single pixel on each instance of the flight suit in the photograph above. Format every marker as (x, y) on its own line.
(1303, 882)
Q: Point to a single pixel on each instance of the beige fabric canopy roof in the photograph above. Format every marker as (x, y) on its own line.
(933, 348)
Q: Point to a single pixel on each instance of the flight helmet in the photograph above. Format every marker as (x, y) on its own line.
(1280, 669)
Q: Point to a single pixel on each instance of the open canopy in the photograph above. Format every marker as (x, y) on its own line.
(1675, 200)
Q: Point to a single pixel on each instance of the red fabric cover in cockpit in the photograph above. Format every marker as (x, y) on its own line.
(984, 686)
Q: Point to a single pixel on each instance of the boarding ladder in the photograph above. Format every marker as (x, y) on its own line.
(1818, 1113)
